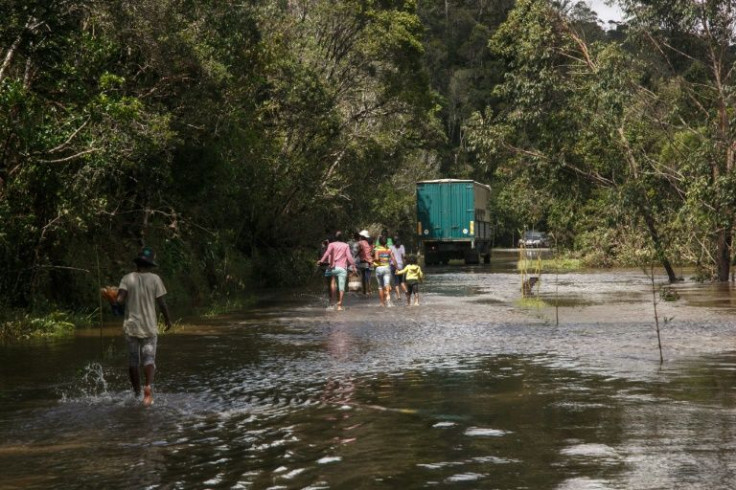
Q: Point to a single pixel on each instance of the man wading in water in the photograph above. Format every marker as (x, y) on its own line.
(140, 291)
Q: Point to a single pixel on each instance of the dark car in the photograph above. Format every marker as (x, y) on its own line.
(534, 239)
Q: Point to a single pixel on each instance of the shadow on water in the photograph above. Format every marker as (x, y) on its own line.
(468, 390)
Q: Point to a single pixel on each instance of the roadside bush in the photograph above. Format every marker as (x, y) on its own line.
(599, 248)
(20, 326)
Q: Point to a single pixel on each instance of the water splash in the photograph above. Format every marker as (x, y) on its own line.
(93, 379)
(90, 386)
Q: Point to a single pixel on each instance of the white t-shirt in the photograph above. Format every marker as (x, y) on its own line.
(399, 253)
(143, 288)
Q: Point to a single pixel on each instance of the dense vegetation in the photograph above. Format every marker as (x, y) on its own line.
(231, 136)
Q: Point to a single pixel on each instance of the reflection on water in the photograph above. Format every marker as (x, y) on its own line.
(469, 391)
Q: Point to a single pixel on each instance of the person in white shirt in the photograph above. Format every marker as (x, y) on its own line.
(141, 291)
(398, 280)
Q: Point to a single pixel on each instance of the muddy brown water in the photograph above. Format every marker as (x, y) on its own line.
(472, 389)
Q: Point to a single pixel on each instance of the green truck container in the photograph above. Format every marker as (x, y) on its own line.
(453, 221)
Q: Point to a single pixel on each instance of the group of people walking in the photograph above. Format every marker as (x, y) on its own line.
(364, 256)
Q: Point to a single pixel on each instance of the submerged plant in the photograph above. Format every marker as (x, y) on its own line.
(532, 302)
(667, 293)
(228, 305)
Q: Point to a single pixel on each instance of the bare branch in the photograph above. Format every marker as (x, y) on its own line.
(72, 157)
(332, 169)
(68, 140)
(31, 25)
(628, 152)
(61, 267)
(582, 47)
(11, 52)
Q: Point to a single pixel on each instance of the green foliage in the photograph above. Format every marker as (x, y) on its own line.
(561, 264)
(227, 135)
(24, 326)
(617, 136)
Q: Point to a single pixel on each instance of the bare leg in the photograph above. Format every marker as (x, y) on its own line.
(340, 296)
(381, 294)
(382, 291)
(135, 380)
(149, 371)
(328, 288)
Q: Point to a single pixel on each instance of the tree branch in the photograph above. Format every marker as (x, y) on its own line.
(11, 52)
(72, 157)
(64, 144)
(29, 26)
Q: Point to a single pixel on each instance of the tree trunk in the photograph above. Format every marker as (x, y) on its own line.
(9, 56)
(723, 254)
(10, 53)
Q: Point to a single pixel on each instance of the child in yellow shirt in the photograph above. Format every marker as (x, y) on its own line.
(414, 276)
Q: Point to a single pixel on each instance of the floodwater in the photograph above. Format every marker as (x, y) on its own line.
(472, 389)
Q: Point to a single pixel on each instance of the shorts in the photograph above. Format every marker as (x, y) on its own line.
(141, 349)
(412, 287)
(383, 276)
(397, 278)
(341, 274)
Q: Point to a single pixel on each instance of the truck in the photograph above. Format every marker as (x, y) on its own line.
(453, 221)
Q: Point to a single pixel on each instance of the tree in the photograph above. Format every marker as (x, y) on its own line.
(693, 43)
(567, 122)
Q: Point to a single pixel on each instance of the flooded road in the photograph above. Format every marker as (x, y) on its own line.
(472, 389)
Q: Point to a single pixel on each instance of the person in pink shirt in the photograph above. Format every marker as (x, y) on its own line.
(339, 258)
